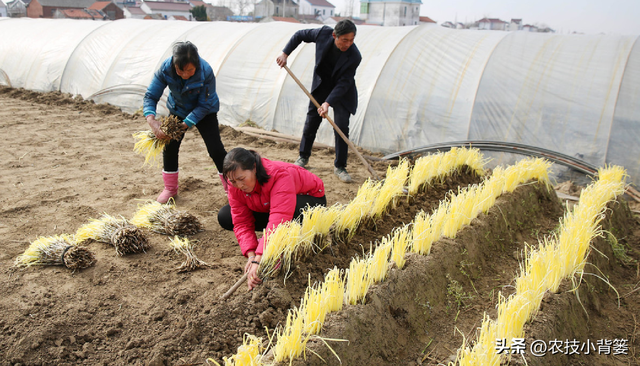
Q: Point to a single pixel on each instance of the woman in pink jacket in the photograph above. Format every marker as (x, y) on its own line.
(262, 195)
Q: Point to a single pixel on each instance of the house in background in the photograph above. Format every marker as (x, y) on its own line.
(492, 24)
(390, 12)
(109, 8)
(218, 13)
(321, 9)
(448, 24)
(167, 9)
(426, 20)
(515, 25)
(17, 8)
(3, 10)
(133, 12)
(86, 14)
(276, 8)
(46, 8)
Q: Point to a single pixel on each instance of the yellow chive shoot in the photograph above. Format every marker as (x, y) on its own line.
(149, 145)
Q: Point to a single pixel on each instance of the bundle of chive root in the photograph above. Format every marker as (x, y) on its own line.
(118, 232)
(184, 246)
(166, 219)
(58, 250)
(148, 144)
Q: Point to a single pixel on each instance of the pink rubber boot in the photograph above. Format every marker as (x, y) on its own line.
(170, 186)
(225, 184)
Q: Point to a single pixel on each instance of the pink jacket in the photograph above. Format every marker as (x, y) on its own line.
(277, 197)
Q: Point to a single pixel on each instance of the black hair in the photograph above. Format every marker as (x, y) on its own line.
(246, 160)
(185, 53)
(345, 26)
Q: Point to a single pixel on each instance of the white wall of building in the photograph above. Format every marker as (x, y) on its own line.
(324, 12)
(394, 14)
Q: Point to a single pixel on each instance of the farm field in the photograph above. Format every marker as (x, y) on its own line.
(66, 161)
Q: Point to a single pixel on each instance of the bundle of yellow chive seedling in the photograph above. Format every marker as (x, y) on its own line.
(316, 226)
(426, 168)
(166, 219)
(150, 146)
(58, 250)
(557, 258)
(279, 247)
(184, 246)
(118, 232)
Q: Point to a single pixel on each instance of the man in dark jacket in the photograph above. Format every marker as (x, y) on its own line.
(337, 59)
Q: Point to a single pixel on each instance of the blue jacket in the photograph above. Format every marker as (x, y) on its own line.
(190, 99)
(344, 71)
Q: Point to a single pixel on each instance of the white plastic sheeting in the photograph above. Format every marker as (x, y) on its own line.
(623, 145)
(34, 53)
(552, 91)
(575, 94)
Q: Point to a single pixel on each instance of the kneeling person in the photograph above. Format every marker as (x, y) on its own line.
(262, 195)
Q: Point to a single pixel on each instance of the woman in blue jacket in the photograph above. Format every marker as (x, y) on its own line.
(193, 99)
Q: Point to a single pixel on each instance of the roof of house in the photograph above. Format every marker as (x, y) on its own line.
(99, 5)
(514, 20)
(161, 5)
(81, 13)
(355, 21)
(198, 3)
(285, 19)
(2, 4)
(490, 20)
(324, 3)
(426, 20)
(15, 2)
(180, 17)
(79, 4)
(154, 16)
(135, 10)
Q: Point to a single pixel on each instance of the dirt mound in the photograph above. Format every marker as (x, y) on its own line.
(63, 100)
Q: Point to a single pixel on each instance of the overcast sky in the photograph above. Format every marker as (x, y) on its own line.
(621, 17)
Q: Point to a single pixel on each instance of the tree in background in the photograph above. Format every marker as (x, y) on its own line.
(199, 12)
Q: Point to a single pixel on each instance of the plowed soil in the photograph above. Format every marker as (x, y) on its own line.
(65, 161)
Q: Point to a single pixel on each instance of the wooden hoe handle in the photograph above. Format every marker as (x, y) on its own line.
(335, 127)
(234, 287)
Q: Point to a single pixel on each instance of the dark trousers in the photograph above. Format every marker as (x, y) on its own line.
(210, 132)
(262, 218)
(311, 125)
